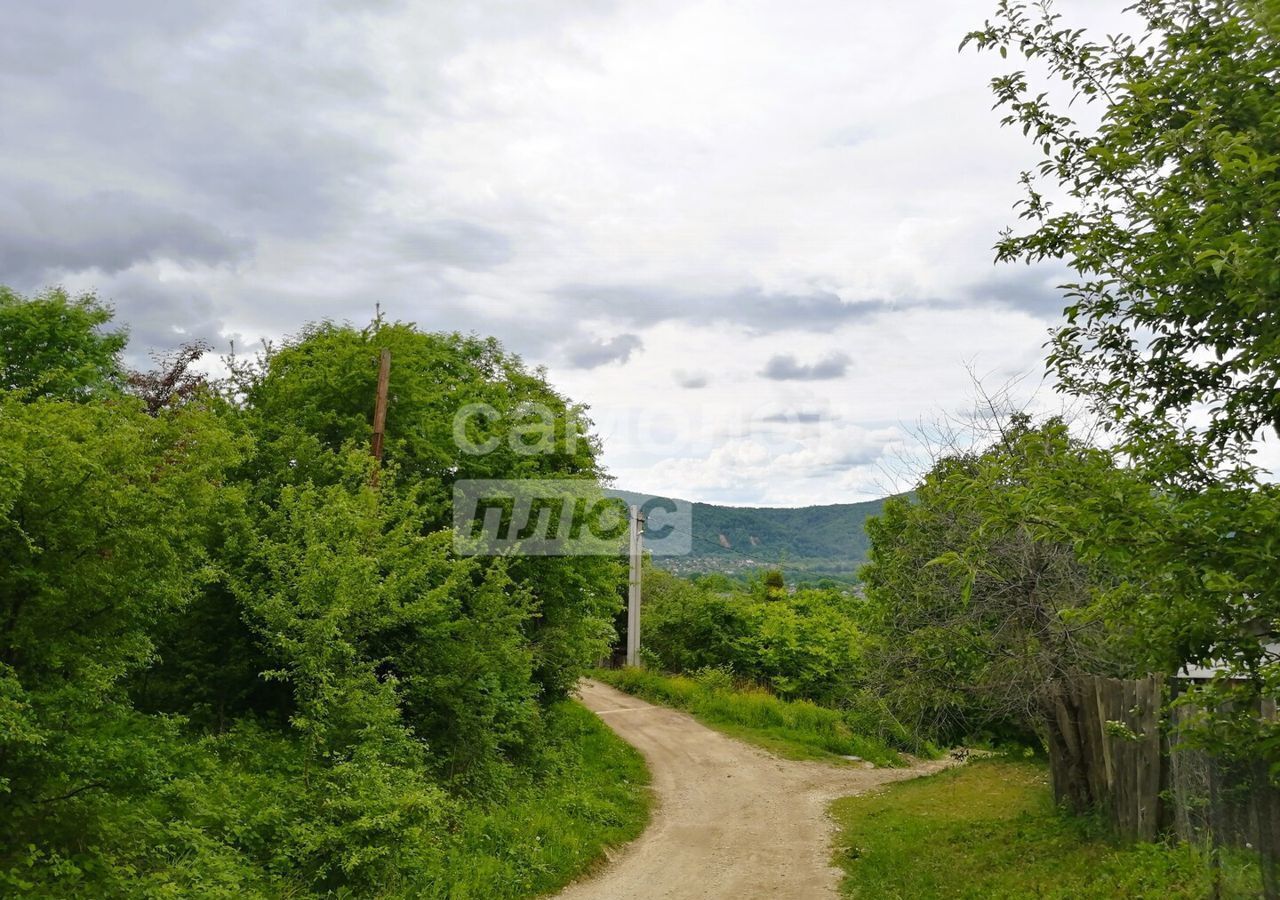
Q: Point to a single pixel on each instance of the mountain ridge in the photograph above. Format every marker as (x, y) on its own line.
(827, 540)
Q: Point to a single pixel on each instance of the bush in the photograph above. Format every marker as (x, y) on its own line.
(798, 728)
(231, 666)
(804, 645)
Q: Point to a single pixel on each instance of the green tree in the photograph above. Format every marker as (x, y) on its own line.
(803, 645)
(774, 584)
(1167, 209)
(374, 622)
(985, 589)
(232, 666)
(104, 513)
(53, 345)
(459, 408)
(689, 627)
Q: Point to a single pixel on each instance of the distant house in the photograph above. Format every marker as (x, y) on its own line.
(1264, 632)
(1200, 674)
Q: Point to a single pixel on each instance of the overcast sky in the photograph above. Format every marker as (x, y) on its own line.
(755, 237)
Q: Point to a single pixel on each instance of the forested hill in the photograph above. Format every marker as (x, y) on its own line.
(823, 540)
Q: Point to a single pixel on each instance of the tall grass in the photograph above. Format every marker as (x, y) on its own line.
(796, 729)
(543, 835)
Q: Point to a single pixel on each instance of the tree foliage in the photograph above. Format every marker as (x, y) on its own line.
(1167, 208)
(985, 588)
(804, 645)
(231, 664)
(309, 403)
(104, 513)
(54, 345)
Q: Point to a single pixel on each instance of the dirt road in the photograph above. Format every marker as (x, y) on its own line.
(730, 820)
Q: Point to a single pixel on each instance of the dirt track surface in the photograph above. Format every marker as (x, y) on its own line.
(730, 820)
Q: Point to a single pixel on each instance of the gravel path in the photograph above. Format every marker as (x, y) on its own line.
(730, 820)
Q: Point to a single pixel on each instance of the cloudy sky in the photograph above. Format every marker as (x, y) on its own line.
(754, 236)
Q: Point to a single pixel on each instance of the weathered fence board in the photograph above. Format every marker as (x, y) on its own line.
(1110, 750)
(1105, 753)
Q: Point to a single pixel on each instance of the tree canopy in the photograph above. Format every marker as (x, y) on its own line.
(1161, 191)
(982, 591)
(229, 663)
(57, 346)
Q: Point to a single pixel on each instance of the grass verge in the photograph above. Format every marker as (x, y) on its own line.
(990, 829)
(794, 729)
(541, 837)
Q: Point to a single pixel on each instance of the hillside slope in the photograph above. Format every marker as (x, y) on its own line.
(826, 541)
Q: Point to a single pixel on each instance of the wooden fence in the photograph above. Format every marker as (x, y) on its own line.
(1105, 751)
(1112, 749)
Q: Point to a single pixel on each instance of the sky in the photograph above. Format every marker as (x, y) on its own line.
(753, 236)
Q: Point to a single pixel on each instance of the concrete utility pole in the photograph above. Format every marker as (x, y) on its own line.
(633, 588)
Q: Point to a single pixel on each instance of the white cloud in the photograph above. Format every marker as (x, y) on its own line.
(690, 187)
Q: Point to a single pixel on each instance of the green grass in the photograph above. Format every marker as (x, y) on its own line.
(540, 838)
(791, 729)
(990, 830)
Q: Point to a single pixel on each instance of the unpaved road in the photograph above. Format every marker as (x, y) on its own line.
(730, 820)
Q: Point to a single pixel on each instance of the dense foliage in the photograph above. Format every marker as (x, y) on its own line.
(1170, 216)
(234, 663)
(983, 590)
(1167, 210)
(55, 346)
(800, 645)
(803, 645)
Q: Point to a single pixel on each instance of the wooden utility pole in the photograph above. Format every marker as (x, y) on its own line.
(633, 588)
(380, 409)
